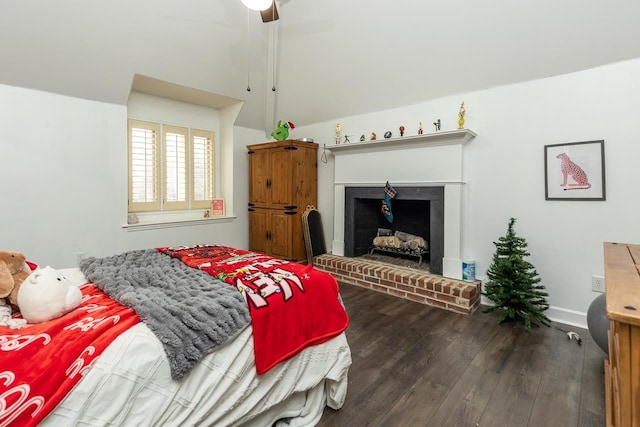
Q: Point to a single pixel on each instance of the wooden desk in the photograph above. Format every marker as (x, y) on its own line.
(622, 369)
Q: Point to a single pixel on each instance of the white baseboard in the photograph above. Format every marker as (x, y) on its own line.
(568, 317)
(556, 314)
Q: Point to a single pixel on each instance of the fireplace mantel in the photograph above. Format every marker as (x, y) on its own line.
(458, 136)
(434, 159)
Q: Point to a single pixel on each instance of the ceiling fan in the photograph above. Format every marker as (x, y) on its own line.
(267, 8)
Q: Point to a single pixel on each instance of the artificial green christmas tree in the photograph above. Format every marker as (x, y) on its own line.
(513, 283)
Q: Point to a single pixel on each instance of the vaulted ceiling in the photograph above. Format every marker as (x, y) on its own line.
(327, 59)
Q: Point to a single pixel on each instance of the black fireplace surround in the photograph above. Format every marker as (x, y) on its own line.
(416, 210)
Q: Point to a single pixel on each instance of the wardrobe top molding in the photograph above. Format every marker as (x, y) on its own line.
(454, 137)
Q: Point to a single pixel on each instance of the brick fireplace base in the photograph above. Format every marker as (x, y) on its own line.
(414, 285)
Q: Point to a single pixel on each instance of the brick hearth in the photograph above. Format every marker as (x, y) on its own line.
(411, 284)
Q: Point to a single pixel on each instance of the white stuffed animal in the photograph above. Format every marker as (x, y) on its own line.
(46, 294)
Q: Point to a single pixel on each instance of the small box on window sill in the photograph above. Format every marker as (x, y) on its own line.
(217, 207)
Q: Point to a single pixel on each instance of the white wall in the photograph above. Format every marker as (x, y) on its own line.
(504, 171)
(63, 165)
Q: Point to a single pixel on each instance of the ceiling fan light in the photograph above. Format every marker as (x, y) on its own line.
(257, 4)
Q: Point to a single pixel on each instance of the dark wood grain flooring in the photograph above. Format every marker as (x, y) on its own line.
(415, 365)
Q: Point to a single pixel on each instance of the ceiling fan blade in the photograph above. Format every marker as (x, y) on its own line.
(270, 14)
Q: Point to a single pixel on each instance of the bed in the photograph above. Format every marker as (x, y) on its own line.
(137, 381)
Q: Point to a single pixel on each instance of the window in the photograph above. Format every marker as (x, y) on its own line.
(202, 172)
(172, 161)
(143, 166)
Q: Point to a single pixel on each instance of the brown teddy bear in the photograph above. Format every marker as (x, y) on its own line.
(13, 271)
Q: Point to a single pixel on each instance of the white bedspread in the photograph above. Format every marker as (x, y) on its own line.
(130, 384)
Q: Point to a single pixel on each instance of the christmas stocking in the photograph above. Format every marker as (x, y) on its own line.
(389, 193)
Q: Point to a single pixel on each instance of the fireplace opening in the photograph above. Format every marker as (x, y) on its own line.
(417, 211)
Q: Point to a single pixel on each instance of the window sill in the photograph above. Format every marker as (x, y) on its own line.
(172, 223)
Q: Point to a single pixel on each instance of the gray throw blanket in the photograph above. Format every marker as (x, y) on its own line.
(191, 312)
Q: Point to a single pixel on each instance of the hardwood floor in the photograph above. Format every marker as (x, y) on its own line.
(415, 365)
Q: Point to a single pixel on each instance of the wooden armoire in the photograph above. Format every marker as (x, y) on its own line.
(283, 181)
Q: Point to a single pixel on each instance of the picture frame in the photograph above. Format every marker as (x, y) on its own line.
(217, 207)
(575, 171)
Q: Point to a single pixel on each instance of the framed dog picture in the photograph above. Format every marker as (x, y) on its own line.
(574, 171)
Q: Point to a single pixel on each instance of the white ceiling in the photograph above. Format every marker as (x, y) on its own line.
(335, 58)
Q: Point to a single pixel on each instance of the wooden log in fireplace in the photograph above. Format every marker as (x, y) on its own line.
(400, 243)
(386, 242)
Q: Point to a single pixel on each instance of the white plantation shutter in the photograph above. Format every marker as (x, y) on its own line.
(170, 167)
(202, 169)
(175, 168)
(143, 166)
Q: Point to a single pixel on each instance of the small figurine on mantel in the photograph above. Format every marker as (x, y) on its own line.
(338, 135)
(362, 138)
(373, 136)
(401, 130)
(461, 116)
(437, 124)
(346, 139)
(420, 130)
(387, 134)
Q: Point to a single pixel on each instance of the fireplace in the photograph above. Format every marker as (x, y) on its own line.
(416, 210)
(420, 163)
(426, 170)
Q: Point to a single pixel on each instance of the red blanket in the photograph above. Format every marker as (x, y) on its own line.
(40, 364)
(292, 306)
